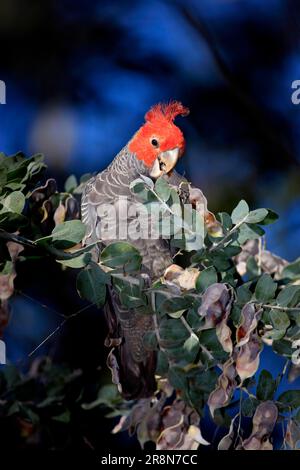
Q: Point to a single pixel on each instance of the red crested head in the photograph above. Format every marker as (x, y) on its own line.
(159, 134)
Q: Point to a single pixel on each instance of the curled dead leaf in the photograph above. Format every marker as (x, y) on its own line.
(248, 323)
(7, 285)
(181, 428)
(59, 214)
(112, 364)
(14, 250)
(215, 308)
(215, 301)
(227, 441)
(226, 384)
(247, 358)
(185, 279)
(292, 435)
(199, 202)
(263, 423)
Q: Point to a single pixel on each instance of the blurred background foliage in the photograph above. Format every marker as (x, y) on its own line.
(80, 76)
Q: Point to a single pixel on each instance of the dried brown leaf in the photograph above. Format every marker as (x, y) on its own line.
(292, 435)
(263, 423)
(226, 385)
(249, 320)
(247, 358)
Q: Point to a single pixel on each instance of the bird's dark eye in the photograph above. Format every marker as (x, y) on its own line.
(154, 142)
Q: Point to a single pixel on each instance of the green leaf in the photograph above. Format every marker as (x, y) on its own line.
(244, 293)
(148, 181)
(249, 406)
(265, 288)
(290, 398)
(266, 386)
(175, 307)
(207, 277)
(289, 296)
(132, 297)
(78, 262)
(191, 348)
(270, 218)
(91, 284)
(172, 332)
(292, 270)
(162, 363)
(220, 260)
(71, 184)
(162, 189)
(240, 212)
(177, 378)
(209, 339)
(64, 417)
(283, 348)
(72, 231)
(194, 233)
(252, 267)
(256, 216)
(14, 202)
(141, 188)
(249, 232)
(66, 235)
(279, 319)
(225, 220)
(12, 222)
(14, 186)
(121, 255)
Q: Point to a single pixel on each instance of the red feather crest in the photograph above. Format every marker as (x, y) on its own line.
(167, 111)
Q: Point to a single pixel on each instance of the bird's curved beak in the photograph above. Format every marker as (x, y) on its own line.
(165, 162)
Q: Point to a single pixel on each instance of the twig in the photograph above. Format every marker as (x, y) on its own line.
(59, 254)
(260, 247)
(17, 239)
(238, 436)
(277, 307)
(231, 232)
(75, 314)
(190, 330)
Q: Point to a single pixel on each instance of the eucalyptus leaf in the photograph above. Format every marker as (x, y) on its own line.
(256, 216)
(265, 288)
(14, 202)
(289, 296)
(78, 262)
(121, 255)
(207, 277)
(191, 347)
(292, 270)
(266, 386)
(279, 319)
(240, 212)
(290, 398)
(91, 284)
(71, 184)
(162, 189)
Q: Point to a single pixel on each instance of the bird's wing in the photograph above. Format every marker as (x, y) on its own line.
(108, 188)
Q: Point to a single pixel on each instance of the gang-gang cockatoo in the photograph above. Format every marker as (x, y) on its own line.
(153, 151)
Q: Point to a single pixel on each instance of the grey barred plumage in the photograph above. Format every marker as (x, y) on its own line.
(153, 151)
